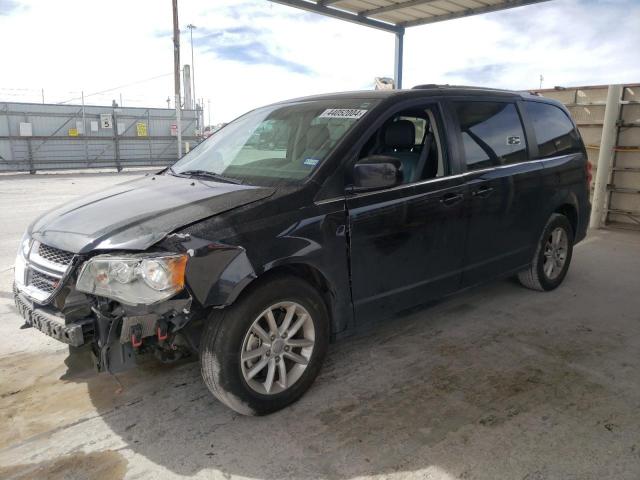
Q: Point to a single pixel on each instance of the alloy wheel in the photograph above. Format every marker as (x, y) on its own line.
(555, 253)
(277, 348)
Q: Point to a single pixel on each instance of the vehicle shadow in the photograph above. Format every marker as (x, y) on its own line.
(462, 387)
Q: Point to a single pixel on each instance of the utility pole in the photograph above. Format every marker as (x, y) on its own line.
(176, 73)
(43, 95)
(209, 112)
(191, 28)
(168, 102)
(541, 80)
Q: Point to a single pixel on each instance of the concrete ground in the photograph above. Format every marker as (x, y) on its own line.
(496, 383)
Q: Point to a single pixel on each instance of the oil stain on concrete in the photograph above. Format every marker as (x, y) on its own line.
(77, 466)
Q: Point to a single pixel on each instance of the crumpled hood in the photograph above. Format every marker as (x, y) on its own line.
(134, 215)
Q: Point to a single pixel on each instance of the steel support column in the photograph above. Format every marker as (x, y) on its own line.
(605, 158)
(398, 59)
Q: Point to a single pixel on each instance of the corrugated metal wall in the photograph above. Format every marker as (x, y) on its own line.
(57, 140)
(587, 106)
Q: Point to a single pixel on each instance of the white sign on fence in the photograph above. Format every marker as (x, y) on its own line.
(106, 120)
(26, 129)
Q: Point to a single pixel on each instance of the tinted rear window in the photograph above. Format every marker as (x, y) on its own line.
(492, 134)
(554, 131)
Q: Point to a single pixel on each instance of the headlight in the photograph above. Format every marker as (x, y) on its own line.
(134, 279)
(21, 260)
(25, 246)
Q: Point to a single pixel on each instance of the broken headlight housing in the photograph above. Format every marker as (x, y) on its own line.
(133, 279)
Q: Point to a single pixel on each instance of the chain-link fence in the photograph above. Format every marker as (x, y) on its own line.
(49, 137)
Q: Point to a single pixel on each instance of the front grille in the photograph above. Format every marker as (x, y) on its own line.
(55, 255)
(45, 271)
(42, 281)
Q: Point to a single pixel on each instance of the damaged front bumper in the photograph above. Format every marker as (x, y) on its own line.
(48, 322)
(117, 331)
(115, 334)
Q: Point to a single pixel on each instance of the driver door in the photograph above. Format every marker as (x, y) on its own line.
(407, 242)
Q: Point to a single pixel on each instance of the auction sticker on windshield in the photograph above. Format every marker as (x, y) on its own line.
(343, 113)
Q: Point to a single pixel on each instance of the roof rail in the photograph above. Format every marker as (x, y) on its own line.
(462, 87)
(428, 85)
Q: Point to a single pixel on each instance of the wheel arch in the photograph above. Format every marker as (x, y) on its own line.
(304, 271)
(563, 201)
(570, 211)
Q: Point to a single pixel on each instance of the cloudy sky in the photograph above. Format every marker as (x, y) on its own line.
(252, 52)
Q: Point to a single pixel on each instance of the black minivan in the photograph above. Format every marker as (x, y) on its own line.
(302, 221)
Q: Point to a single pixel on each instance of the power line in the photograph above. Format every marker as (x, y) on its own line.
(117, 88)
(23, 89)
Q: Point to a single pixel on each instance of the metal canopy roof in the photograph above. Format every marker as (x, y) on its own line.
(396, 15)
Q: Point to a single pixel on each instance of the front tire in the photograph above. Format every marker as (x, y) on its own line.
(263, 352)
(552, 257)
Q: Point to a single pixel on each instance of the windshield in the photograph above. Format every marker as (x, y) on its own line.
(273, 144)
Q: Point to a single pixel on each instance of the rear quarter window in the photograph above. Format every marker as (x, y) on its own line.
(492, 134)
(555, 133)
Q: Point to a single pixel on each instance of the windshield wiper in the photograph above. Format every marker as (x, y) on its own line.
(214, 176)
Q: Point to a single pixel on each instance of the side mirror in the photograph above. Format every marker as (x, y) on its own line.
(377, 171)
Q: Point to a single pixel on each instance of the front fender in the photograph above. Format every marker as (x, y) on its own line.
(216, 273)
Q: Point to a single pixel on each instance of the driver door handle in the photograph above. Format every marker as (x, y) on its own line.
(482, 192)
(451, 199)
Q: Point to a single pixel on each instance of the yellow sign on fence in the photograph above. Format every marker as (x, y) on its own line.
(141, 128)
(73, 132)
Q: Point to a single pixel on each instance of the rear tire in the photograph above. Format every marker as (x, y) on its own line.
(552, 256)
(255, 369)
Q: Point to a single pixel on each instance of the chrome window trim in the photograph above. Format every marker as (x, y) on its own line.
(440, 179)
(408, 185)
(329, 200)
